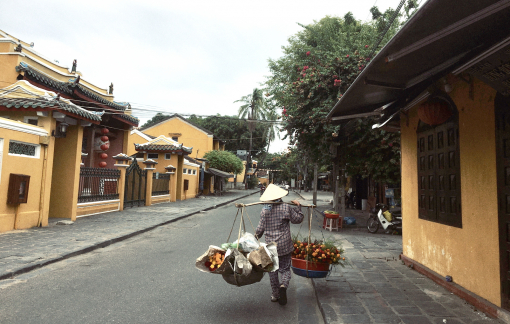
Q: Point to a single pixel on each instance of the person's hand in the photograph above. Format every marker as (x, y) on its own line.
(296, 202)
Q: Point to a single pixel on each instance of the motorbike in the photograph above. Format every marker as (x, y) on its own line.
(262, 189)
(381, 216)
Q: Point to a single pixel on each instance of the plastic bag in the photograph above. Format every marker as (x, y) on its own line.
(201, 260)
(388, 216)
(237, 272)
(265, 258)
(247, 242)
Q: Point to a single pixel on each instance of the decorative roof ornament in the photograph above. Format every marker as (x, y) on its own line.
(18, 48)
(111, 88)
(73, 70)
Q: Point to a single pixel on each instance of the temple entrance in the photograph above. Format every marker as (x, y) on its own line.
(136, 185)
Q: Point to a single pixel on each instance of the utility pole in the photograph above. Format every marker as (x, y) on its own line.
(342, 191)
(315, 177)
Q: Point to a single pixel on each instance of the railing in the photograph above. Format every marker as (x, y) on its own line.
(160, 184)
(97, 184)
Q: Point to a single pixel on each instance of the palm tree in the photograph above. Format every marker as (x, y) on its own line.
(254, 108)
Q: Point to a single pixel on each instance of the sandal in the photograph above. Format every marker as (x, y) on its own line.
(283, 296)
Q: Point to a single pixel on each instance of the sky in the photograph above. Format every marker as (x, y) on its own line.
(171, 56)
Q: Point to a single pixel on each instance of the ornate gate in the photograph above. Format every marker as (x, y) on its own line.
(136, 185)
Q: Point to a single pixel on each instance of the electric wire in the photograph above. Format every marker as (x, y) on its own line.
(43, 99)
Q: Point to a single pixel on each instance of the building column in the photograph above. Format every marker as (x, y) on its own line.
(121, 184)
(178, 191)
(66, 174)
(148, 191)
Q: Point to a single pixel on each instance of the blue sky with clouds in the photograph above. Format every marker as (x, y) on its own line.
(171, 56)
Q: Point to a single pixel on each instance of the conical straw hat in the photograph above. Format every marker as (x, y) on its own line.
(273, 192)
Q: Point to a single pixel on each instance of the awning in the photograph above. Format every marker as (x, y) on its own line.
(441, 37)
(219, 173)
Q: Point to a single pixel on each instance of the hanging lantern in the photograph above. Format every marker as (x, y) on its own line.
(104, 131)
(104, 138)
(103, 156)
(434, 112)
(102, 164)
(104, 147)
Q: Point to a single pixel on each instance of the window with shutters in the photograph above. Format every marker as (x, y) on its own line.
(439, 173)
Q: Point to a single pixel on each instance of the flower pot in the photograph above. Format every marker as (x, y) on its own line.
(309, 273)
(314, 266)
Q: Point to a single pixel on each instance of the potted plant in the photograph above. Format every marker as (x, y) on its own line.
(313, 258)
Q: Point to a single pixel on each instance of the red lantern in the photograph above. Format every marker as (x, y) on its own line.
(104, 147)
(103, 156)
(104, 138)
(104, 131)
(434, 112)
(102, 164)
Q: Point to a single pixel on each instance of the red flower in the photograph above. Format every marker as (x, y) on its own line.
(337, 83)
(347, 55)
(308, 53)
(366, 46)
(391, 144)
(368, 59)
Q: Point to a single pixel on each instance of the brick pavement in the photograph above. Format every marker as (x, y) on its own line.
(375, 286)
(25, 250)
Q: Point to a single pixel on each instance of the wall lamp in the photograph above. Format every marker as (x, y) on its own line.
(61, 130)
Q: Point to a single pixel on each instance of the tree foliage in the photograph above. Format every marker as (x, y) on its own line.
(318, 66)
(154, 120)
(234, 132)
(224, 161)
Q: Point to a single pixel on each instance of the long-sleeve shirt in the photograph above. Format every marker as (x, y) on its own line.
(274, 223)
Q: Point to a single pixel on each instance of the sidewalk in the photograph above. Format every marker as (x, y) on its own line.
(25, 250)
(375, 286)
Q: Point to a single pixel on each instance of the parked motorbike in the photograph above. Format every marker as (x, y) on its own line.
(262, 189)
(381, 216)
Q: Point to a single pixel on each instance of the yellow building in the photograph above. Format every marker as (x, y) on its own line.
(167, 153)
(443, 81)
(183, 131)
(47, 133)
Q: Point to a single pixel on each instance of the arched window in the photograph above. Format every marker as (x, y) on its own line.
(439, 169)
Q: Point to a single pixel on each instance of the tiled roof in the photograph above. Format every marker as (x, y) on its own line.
(65, 87)
(162, 148)
(178, 116)
(192, 160)
(97, 98)
(42, 103)
(131, 119)
(219, 173)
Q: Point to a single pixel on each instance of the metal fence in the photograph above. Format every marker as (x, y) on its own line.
(160, 184)
(97, 184)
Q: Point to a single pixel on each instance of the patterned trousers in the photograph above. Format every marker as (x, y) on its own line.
(284, 270)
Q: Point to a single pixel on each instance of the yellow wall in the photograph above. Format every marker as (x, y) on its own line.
(28, 213)
(193, 183)
(8, 72)
(190, 135)
(66, 177)
(469, 254)
(96, 208)
(132, 140)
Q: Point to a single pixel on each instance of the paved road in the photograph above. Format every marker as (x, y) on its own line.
(151, 278)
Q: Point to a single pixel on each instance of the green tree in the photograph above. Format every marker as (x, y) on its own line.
(224, 161)
(234, 133)
(154, 120)
(254, 108)
(318, 65)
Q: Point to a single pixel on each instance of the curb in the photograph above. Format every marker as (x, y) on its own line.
(10, 275)
(318, 302)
